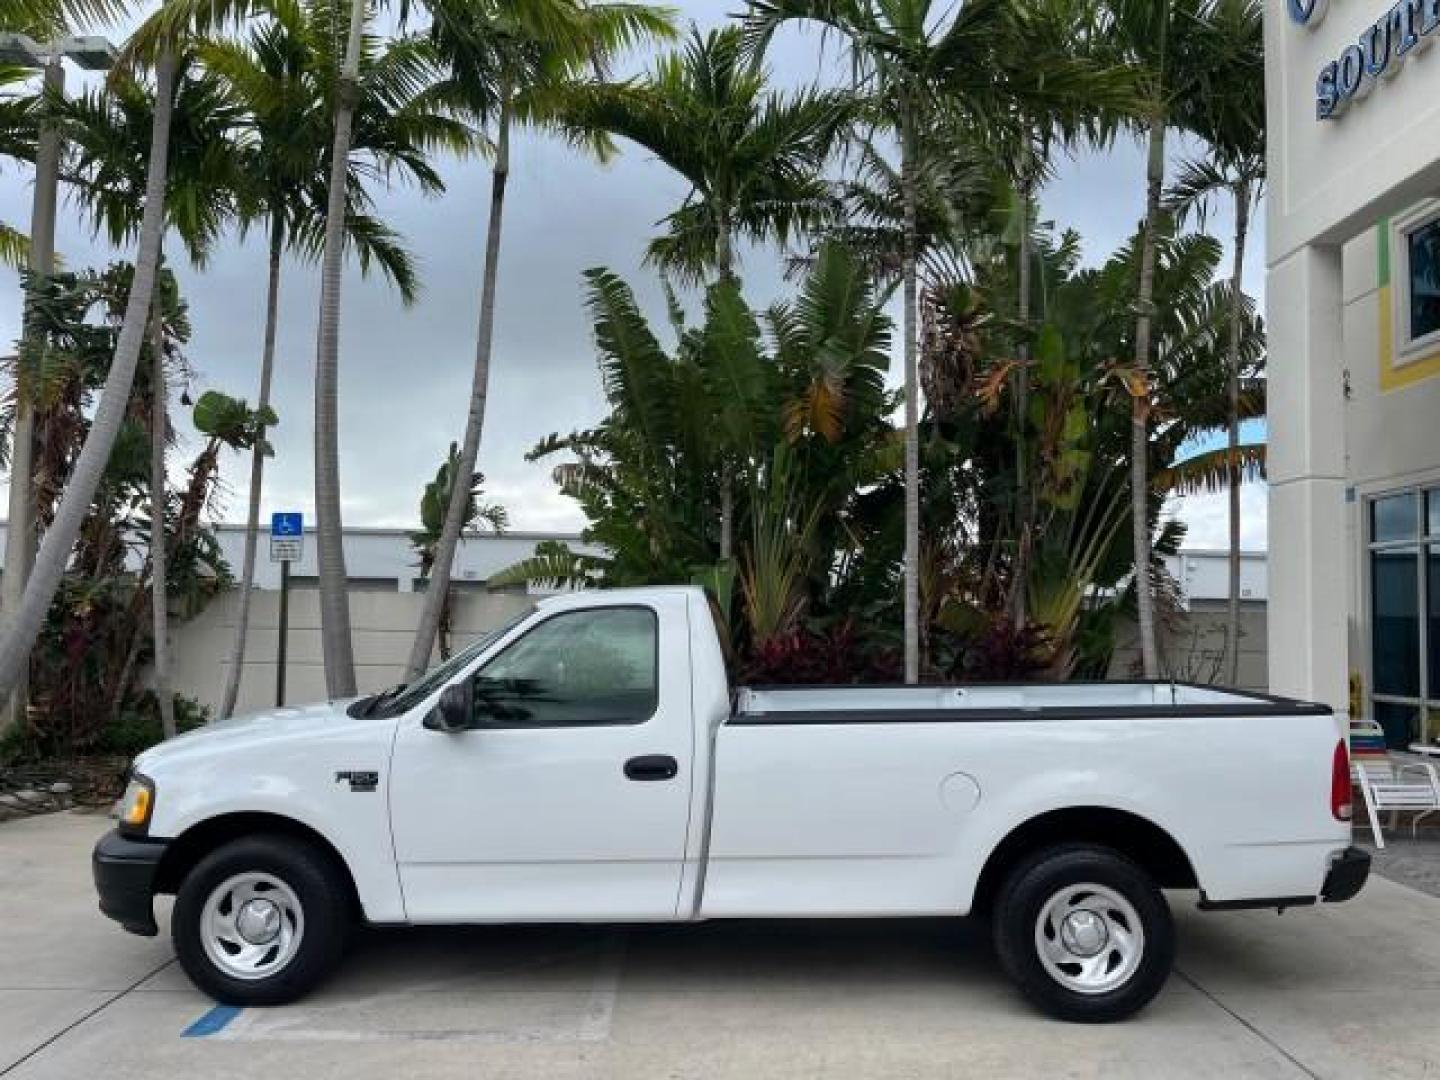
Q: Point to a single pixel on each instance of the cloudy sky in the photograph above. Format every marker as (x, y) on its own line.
(405, 372)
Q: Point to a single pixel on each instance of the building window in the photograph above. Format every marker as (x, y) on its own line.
(1423, 257)
(1416, 241)
(1404, 580)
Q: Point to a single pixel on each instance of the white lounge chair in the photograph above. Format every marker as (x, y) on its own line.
(1388, 784)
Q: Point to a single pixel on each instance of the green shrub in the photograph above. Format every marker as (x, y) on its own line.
(137, 727)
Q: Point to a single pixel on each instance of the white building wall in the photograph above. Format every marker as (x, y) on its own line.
(1334, 174)
(1392, 435)
(1204, 575)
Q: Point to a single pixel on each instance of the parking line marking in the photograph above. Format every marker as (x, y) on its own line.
(212, 1022)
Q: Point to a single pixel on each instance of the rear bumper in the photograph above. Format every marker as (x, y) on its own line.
(1347, 876)
(1349, 870)
(125, 878)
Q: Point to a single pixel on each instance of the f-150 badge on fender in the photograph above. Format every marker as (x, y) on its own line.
(359, 781)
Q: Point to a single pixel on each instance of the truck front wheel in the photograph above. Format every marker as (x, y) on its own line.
(1084, 932)
(261, 920)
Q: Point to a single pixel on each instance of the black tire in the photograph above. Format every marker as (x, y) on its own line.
(313, 877)
(1046, 875)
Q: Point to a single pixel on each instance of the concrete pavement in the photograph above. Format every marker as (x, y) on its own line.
(1351, 991)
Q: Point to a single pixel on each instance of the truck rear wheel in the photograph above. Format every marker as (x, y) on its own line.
(1084, 932)
(261, 920)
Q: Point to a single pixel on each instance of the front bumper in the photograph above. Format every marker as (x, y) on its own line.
(1347, 876)
(125, 878)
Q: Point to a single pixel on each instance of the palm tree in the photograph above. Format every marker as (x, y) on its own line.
(54, 553)
(104, 128)
(1169, 41)
(512, 61)
(920, 62)
(335, 641)
(24, 138)
(1233, 126)
(1071, 27)
(155, 42)
(753, 159)
(282, 77)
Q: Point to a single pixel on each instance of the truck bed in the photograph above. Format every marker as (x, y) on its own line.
(1002, 701)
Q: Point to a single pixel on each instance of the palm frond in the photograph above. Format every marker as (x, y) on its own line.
(1212, 470)
(14, 247)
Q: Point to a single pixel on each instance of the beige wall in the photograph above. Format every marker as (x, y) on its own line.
(383, 626)
(1192, 645)
(384, 623)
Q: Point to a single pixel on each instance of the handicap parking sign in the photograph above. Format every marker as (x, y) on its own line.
(288, 523)
(287, 537)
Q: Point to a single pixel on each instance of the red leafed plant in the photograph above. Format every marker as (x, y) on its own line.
(1004, 652)
(814, 657)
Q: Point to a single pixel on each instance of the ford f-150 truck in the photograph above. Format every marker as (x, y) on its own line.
(589, 762)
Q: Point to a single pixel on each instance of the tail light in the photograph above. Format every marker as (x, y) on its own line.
(1340, 784)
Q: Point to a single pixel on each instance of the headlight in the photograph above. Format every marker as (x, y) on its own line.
(137, 804)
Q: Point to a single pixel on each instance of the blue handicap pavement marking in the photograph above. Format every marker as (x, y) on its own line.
(212, 1022)
(286, 524)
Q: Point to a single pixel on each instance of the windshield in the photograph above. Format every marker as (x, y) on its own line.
(406, 698)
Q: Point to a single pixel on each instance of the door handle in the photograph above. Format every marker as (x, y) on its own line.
(652, 767)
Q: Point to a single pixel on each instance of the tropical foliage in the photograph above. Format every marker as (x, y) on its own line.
(434, 503)
(820, 484)
(87, 668)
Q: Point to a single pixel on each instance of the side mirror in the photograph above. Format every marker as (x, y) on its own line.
(455, 711)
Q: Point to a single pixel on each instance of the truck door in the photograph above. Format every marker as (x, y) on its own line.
(570, 798)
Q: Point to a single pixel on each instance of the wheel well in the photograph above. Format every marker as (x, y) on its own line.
(1142, 841)
(199, 840)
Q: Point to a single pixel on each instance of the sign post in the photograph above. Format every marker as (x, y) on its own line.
(287, 544)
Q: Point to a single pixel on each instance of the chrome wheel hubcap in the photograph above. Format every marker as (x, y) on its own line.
(258, 921)
(1089, 938)
(252, 925)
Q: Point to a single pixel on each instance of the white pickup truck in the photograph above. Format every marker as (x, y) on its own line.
(589, 762)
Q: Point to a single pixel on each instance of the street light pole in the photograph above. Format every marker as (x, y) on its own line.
(22, 537)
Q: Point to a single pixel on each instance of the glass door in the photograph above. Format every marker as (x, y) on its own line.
(1404, 554)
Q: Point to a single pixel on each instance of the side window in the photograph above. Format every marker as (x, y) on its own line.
(578, 669)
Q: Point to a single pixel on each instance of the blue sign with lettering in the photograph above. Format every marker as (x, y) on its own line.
(1378, 52)
(289, 523)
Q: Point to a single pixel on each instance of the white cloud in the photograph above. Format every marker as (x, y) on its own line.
(1208, 517)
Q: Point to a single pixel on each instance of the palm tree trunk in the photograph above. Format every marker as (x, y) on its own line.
(329, 539)
(74, 506)
(1140, 411)
(21, 534)
(442, 634)
(159, 602)
(727, 511)
(257, 472)
(912, 404)
(1232, 607)
(439, 586)
(725, 261)
(724, 244)
(1022, 412)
